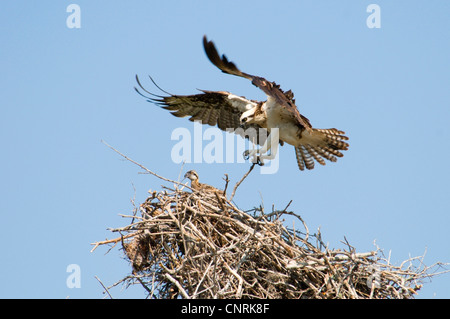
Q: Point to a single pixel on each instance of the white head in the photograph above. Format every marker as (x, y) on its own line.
(192, 175)
(255, 115)
(247, 116)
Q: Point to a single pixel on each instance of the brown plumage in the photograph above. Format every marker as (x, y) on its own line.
(196, 185)
(272, 89)
(220, 108)
(206, 189)
(231, 112)
(310, 143)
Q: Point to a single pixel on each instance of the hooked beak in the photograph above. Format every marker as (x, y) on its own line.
(243, 121)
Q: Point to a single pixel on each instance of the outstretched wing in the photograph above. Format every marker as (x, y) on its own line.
(284, 99)
(210, 107)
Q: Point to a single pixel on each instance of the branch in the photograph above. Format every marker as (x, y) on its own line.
(106, 289)
(115, 240)
(180, 289)
(242, 179)
(144, 168)
(226, 184)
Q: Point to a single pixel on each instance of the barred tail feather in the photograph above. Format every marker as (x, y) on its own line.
(303, 158)
(318, 145)
(334, 138)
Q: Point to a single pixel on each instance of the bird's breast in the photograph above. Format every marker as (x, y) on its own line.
(278, 117)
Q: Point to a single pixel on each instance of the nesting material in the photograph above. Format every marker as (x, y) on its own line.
(186, 244)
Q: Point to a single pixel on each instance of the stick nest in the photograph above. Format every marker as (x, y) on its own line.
(200, 245)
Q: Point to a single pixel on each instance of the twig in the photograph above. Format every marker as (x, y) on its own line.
(106, 289)
(109, 241)
(239, 183)
(180, 288)
(201, 245)
(143, 167)
(226, 184)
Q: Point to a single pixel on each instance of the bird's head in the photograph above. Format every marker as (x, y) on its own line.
(247, 117)
(253, 116)
(192, 175)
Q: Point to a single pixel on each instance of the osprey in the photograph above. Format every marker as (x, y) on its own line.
(193, 177)
(276, 120)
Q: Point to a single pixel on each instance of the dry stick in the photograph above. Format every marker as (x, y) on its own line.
(106, 289)
(143, 167)
(220, 202)
(220, 255)
(180, 288)
(242, 179)
(226, 184)
(150, 292)
(203, 278)
(115, 240)
(239, 278)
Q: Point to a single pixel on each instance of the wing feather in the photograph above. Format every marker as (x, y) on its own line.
(210, 107)
(285, 99)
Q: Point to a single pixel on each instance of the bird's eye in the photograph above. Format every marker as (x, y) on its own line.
(244, 120)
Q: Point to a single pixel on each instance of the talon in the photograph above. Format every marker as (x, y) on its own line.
(259, 161)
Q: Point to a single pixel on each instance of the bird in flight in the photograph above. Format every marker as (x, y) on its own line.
(265, 123)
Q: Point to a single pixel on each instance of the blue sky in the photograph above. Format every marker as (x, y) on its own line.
(64, 90)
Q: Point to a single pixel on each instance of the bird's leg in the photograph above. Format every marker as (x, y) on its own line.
(259, 155)
(253, 154)
(271, 144)
(253, 136)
